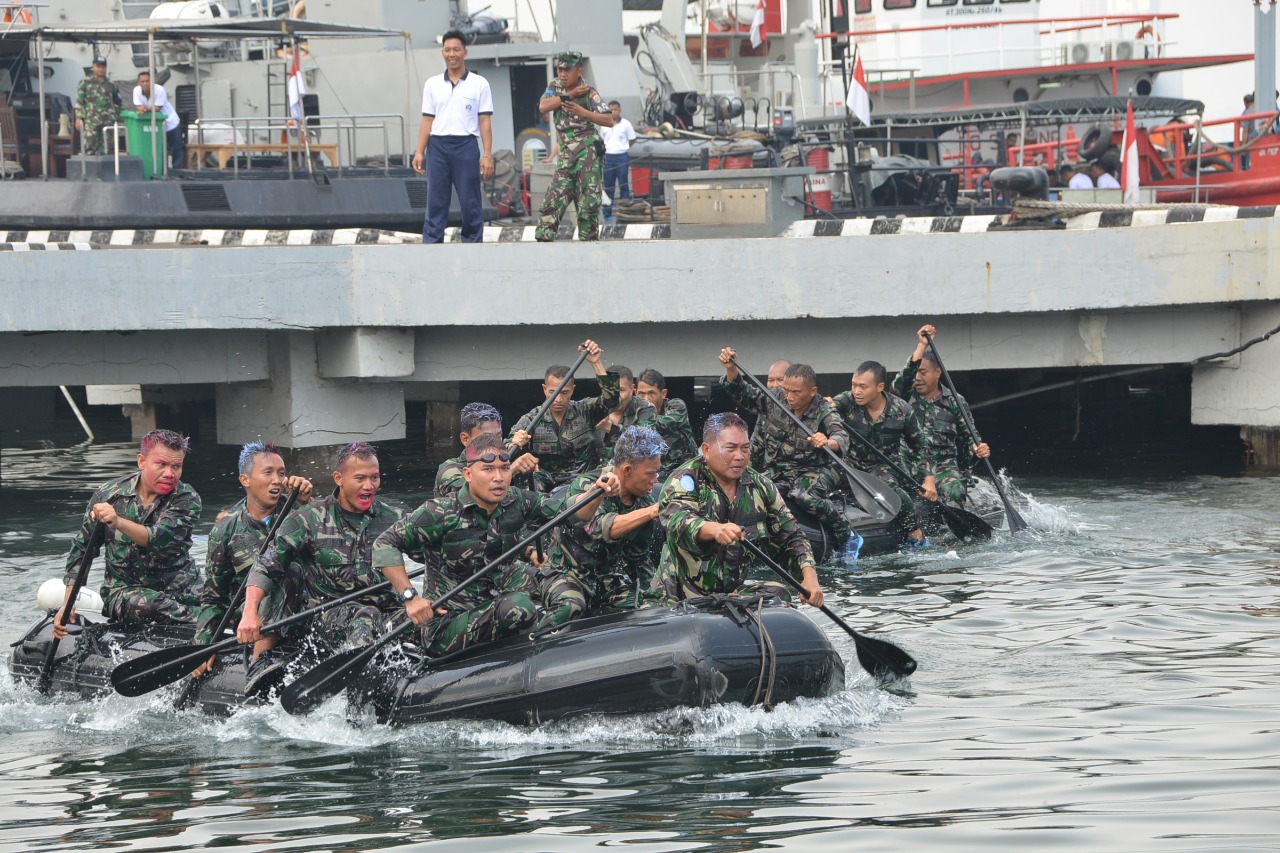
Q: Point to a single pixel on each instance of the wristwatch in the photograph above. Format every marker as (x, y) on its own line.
(408, 595)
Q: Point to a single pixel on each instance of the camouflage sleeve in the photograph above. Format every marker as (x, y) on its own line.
(80, 99)
(525, 423)
(681, 515)
(843, 404)
(744, 395)
(173, 527)
(597, 102)
(647, 416)
(610, 393)
(80, 541)
(415, 533)
(449, 479)
(964, 438)
(218, 573)
(833, 428)
(914, 449)
(292, 539)
(903, 382)
(783, 530)
(673, 418)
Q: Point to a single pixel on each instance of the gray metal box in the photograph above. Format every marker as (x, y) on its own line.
(735, 202)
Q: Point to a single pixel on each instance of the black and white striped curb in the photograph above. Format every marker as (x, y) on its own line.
(46, 247)
(618, 231)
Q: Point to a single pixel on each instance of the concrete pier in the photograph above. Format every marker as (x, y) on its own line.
(317, 345)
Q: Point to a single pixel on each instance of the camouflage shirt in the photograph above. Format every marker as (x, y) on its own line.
(673, 426)
(449, 476)
(638, 411)
(96, 102)
(331, 548)
(898, 433)
(691, 498)
(459, 538)
(568, 448)
(786, 448)
(587, 549)
(573, 131)
(234, 544)
(945, 432)
(165, 562)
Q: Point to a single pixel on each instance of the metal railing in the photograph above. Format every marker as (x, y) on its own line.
(248, 135)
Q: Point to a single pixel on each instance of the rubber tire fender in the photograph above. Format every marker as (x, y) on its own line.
(1094, 143)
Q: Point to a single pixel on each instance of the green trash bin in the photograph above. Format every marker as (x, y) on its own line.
(139, 136)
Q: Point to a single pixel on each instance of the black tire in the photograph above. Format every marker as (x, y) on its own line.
(1094, 143)
(1208, 164)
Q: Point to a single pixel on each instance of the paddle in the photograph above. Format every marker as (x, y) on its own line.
(890, 504)
(335, 674)
(96, 537)
(881, 658)
(181, 701)
(964, 524)
(1016, 522)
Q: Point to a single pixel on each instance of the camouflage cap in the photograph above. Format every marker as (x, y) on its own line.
(569, 59)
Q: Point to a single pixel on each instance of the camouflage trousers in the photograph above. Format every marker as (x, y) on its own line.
(511, 611)
(811, 490)
(952, 484)
(667, 591)
(91, 139)
(579, 179)
(568, 594)
(349, 626)
(905, 521)
(135, 605)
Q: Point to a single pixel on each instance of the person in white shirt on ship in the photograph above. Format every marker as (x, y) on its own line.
(1101, 172)
(148, 97)
(617, 158)
(1080, 180)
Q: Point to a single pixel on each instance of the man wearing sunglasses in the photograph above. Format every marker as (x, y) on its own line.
(460, 534)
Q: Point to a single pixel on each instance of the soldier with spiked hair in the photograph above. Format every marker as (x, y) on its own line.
(476, 419)
(150, 577)
(577, 110)
(606, 562)
(237, 538)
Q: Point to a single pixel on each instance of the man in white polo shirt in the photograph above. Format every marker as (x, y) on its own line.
(457, 110)
(617, 158)
(148, 98)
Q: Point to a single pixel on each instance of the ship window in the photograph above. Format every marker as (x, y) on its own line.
(862, 7)
(899, 4)
(978, 2)
(933, 3)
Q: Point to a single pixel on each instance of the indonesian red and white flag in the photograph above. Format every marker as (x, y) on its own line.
(1129, 180)
(758, 35)
(859, 97)
(297, 86)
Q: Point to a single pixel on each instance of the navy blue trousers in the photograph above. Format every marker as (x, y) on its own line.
(453, 163)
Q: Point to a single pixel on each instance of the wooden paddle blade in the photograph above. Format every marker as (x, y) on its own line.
(882, 658)
(330, 678)
(964, 524)
(156, 669)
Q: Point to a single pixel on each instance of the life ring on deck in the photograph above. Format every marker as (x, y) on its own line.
(21, 14)
(1094, 143)
(1148, 30)
(1207, 164)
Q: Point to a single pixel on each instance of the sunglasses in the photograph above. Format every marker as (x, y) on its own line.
(490, 458)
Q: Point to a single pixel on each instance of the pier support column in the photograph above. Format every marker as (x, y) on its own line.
(298, 408)
(444, 401)
(1242, 390)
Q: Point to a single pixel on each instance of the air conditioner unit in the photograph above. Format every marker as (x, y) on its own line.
(1123, 51)
(1082, 52)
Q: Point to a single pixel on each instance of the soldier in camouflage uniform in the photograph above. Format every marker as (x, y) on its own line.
(579, 177)
(97, 107)
(325, 551)
(475, 419)
(460, 534)
(606, 562)
(777, 372)
(794, 461)
(150, 577)
(713, 502)
(238, 535)
(631, 410)
(672, 421)
(952, 446)
(890, 424)
(563, 443)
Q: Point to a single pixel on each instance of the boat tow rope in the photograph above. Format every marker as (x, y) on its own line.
(1034, 208)
(747, 608)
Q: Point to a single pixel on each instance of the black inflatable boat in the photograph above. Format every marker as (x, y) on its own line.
(704, 652)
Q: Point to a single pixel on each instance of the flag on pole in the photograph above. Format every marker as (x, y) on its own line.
(758, 35)
(1129, 180)
(297, 86)
(859, 97)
